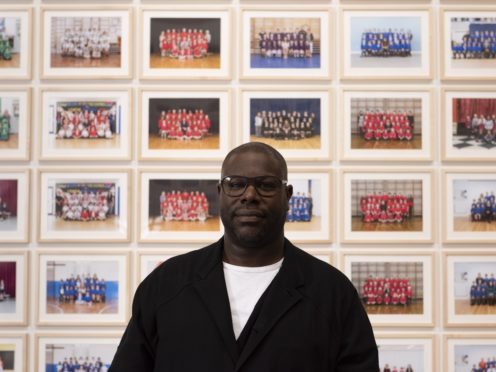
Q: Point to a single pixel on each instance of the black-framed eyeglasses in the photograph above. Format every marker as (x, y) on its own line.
(265, 185)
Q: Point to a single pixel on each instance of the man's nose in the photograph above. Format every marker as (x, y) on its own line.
(250, 192)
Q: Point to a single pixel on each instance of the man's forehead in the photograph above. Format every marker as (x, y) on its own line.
(252, 163)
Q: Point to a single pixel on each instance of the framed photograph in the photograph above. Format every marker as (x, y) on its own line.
(13, 352)
(185, 124)
(82, 288)
(15, 45)
(15, 123)
(469, 352)
(186, 43)
(468, 44)
(148, 261)
(86, 42)
(382, 43)
(84, 206)
(387, 206)
(470, 289)
(86, 124)
(71, 352)
(309, 218)
(296, 121)
(469, 207)
(14, 205)
(468, 124)
(14, 267)
(179, 206)
(286, 43)
(398, 352)
(395, 124)
(396, 289)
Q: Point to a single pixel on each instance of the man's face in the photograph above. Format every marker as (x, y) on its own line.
(252, 220)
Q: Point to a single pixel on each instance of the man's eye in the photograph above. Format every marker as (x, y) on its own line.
(236, 185)
(268, 186)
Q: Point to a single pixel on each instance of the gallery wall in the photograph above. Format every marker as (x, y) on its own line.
(332, 164)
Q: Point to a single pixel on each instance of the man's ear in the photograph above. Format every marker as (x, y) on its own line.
(218, 188)
(289, 191)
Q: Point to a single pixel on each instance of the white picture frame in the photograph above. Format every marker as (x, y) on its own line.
(318, 146)
(463, 68)
(15, 188)
(55, 225)
(213, 146)
(19, 22)
(463, 350)
(400, 349)
(355, 23)
(318, 67)
(417, 225)
(14, 263)
(217, 65)
(419, 312)
(16, 100)
(315, 186)
(114, 56)
(17, 345)
(52, 348)
(462, 186)
(461, 271)
(79, 141)
(154, 223)
(415, 100)
(75, 307)
(463, 138)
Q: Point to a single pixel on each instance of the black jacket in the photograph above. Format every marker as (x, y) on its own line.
(311, 320)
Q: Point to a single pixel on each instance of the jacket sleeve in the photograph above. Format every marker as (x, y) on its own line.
(136, 351)
(358, 350)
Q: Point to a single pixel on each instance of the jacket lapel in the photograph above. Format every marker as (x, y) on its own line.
(211, 287)
(282, 296)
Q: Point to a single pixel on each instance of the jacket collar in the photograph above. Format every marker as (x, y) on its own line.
(283, 295)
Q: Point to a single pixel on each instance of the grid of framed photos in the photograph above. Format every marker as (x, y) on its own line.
(115, 118)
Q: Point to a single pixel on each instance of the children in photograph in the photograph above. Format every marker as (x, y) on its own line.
(182, 124)
(478, 43)
(4, 210)
(483, 290)
(85, 121)
(387, 291)
(84, 204)
(386, 208)
(386, 43)
(300, 208)
(82, 289)
(483, 209)
(485, 365)
(184, 44)
(5, 123)
(295, 43)
(5, 41)
(387, 368)
(2, 290)
(90, 43)
(389, 125)
(80, 364)
(285, 125)
(480, 127)
(184, 206)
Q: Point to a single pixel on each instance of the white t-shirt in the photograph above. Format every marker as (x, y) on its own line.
(245, 285)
